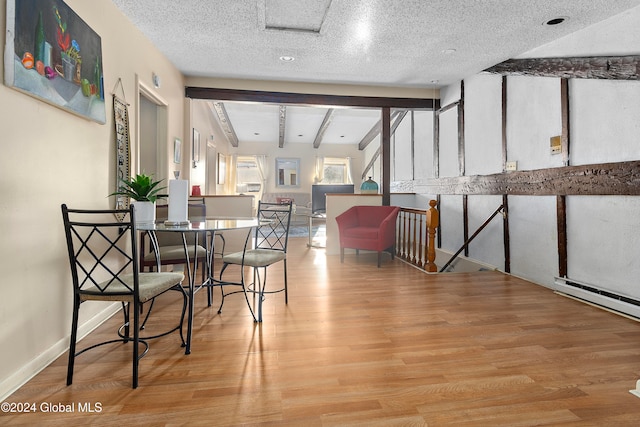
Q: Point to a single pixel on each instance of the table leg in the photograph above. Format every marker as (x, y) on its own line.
(191, 279)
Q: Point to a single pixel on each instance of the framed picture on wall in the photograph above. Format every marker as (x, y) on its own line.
(53, 55)
(222, 167)
(287, 172)
(177, 150)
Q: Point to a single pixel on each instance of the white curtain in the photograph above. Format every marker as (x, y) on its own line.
(263, 170)
(319, 170)
(349, 171)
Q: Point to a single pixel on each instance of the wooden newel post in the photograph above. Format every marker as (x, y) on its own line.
(433, 220)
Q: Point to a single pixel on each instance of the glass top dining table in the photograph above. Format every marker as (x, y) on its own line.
(196, 225)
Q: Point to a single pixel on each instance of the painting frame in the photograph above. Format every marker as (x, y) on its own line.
(53, 55)
(287, 172)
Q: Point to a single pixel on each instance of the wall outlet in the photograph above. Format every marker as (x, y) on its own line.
(512, 166)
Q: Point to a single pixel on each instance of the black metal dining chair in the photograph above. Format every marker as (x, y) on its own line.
(268, 247)
(104, 267)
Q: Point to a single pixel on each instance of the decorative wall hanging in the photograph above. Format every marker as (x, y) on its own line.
(177, 151)
(121, 123)
(53, 55)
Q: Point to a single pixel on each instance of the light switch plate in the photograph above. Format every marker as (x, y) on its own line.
(556, 144)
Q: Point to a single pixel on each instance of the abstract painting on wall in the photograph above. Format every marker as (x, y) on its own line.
(53, 55)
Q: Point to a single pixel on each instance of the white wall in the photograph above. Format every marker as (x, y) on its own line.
(50, 157)
(603, 232)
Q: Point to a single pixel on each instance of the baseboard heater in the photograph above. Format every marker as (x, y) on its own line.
(601, 297)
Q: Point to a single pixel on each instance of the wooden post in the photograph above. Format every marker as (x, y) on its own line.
(433, 220)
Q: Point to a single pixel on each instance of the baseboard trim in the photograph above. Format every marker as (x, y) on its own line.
(44, 359)
(588, 293)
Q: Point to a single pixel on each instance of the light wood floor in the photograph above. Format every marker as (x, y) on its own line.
(357, 345)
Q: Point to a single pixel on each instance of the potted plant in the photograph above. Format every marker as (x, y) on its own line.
(144, 192)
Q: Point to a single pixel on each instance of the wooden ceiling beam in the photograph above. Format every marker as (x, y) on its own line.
(323, 127)
(225, 123)
(396, 119)
(588, 67)
(282, 119)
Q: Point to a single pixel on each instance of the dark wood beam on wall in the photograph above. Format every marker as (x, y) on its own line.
(461, 145)
(588, 67)
(566, 122)
(505, 198)
(505, 233)
(465, 222)
(614, 179)
(386, 156)
(504, 123)
(561, 203)
(561, 209)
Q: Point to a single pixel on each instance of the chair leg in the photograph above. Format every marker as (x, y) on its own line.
(224, 267)
(136, 339)
(286, 289)
(341, 254)
(72, 341)
(379, 258)
(261, 289)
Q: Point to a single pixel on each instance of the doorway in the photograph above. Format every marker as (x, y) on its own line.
(152, 130)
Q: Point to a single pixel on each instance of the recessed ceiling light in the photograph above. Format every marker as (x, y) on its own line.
(449, 51)
(287, 58)
(556, 21)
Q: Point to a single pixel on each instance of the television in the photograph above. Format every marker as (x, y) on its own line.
(319, 192)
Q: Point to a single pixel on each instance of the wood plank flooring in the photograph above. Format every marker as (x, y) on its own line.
(362, 346)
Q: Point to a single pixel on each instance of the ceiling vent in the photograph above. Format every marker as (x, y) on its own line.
(307, 16)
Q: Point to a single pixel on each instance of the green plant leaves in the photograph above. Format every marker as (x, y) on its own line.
(141, 188)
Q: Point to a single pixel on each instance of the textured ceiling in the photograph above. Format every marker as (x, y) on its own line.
(374, 42)
(393, 43)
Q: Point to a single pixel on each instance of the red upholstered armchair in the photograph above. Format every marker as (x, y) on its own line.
(368, 227)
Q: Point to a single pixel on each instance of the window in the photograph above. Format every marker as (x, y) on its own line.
(335, 171)
(247, 175)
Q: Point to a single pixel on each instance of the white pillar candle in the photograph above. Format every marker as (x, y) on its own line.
(178, 200)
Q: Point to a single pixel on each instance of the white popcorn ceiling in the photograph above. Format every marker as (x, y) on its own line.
(405, 46)
(394, 43)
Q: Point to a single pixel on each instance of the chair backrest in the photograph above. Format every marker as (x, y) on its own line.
(372, 216)
(101, 249)
(275, 234)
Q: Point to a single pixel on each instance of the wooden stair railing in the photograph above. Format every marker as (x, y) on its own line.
(416, 231)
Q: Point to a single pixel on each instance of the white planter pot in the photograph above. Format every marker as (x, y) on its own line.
(145, 212)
